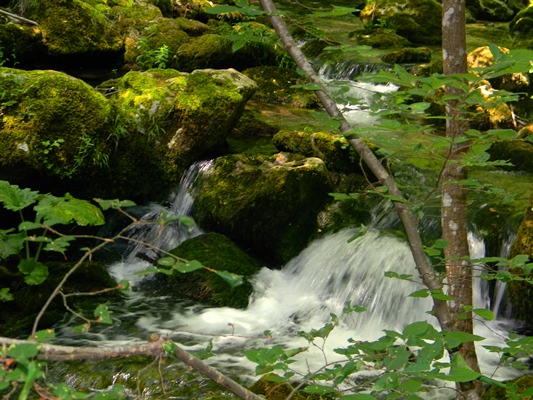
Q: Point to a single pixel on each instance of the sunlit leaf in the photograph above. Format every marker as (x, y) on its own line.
(15, 199)
(114, 204)
(44, 335)
(67, 209)
(102, 314)
(221, 9)
(483, 313)
(231, 279)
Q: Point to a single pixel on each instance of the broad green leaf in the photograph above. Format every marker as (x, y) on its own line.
(166, 218)
(149, 270)
(420, 293)
(60, 244)
(221, 9)
(44, 335)
(124, 285)
(205, 353)
(23, 351)
(358, 396)
(188, 267)
(10, 243)
(360, 232)
(460, 371)
(36, 272)
(483, 313)
(231, 279)
(503, 134)
(410, 386)
(102, 314)
(6, 295)
(114, 204)
(335, 12)
(167, 262)
(396, 358)
(456, 338)
(438, 295)
(27, 226)
(238, 45)
(80, 328)
(14, 198)
(419, 107)
(318, 389)
(392, 274)
(67, 209)
(311, 86)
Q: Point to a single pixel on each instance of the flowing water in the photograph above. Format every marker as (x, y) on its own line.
(328, 273)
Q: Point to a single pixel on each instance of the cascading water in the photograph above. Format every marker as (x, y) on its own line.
(300, 297)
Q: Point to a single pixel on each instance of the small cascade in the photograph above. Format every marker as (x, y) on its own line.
(347, 69)
(138, 255)
(500, 307)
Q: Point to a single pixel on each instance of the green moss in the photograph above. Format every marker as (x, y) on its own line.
(522, 22)
(273, 390)
(135, 17)
(44, 106)
(384, 39)
(274, 86)
(215, 251)
(75, 27)
(408, 56)
(267, 204)
(498, 393)
(19, 44)
(518, 152)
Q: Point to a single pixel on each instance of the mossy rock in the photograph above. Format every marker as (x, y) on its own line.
(522, 23)
(382, 39)
(490, 10)
(165, 120)
(21, 46)
(135, 17)
(218, 252)
(408, 56)
(214, 50)
(518, 152)
(419, 21)
(274, 86)
(52, 125)
(498, 393)
(268, 205)
(75, 27)
(520, 292)
(155, 45)
(272, 390)
(332, 148)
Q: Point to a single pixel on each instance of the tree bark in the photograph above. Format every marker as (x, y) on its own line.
(454, 201)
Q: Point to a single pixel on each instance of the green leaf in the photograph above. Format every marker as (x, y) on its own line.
(221, 9)
(396, 358)
(392, 274)
(167, 262)
(456, 338)
(36, 273)
(188, 267)
(360, 232)
(83, 328)
(410, 386)
(67, 209)
(102, 314)
(205, 353)
(238, 45)
(438, 295)
(358, 396)
(6, 295)
(114, 204)
(60, 244)
(460, 371)
(27, 226)
(420, 293)
(23, 351)
(14, 198)
(10, 243)
(483, 313)
(311, 86)
(231, 279)
(318, 389)
(335, 12)
(44, 335)
(419, 107)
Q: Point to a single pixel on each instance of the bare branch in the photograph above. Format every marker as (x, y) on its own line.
(18, 17)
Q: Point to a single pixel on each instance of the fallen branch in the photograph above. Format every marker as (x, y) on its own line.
(51, 352)
(18, 17)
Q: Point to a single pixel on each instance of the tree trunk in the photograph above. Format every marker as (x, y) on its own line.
(454, 203)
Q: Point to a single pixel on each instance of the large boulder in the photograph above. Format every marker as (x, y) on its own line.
(266, 204)
(218, 252)
(78, 30)
(419, 21)
(165, 120)
(490, 10)
(51, 125)
(518, 152)
(59, 134)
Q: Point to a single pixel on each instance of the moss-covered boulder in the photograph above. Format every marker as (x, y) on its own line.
(155, 45)
(51, 125)
(408, 56)
(77, 28)
(134, 17)
(218, 252)
(419, 21)
(490, 10)
(165, 120)
(382, 39)
(271, 389)
(274, 86)
(521, 293)
(214, 50)
(522, 384)
(268, 205)
(518, 152)
(21, 45)
(522, 23)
